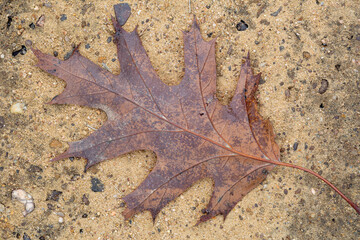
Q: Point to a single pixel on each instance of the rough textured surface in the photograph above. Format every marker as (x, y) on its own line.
(296, 49)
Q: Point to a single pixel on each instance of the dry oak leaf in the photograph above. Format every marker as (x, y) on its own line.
(192, 134)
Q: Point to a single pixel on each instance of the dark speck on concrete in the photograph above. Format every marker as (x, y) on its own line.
(281, 48)
(26, 237)
(96, 185)
(2, 122)
(295, 146)
(8, 24)
(274, 14)
(87, 46)
(63, 17)
(337, 67)
(32, 25)
(85, 200)
(109, 40)
(55, 53)
(34, 169)
(54, 195)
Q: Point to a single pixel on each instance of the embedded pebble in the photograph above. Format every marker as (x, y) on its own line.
(96, 185)
(55, 144)
(274, 14)
(28, 43)
(54, 195)
(324, 86)
(17, 108)
(25, 198)
(26, 237)
(313, 191)
(241, 26)
(41, 21)
(2, 207)
(63, 17)
(61, 219)
(306, 55)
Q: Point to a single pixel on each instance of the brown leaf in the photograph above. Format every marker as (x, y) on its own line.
(193, 135)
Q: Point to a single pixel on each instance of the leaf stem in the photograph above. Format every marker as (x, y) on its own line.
(352, 204)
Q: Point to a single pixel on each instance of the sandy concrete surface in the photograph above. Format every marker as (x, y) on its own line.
(309, 55)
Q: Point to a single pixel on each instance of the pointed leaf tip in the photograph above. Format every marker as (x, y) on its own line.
(122, 13)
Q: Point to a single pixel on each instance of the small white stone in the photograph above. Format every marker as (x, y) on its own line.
(25, 198)
(17, 108)
(2, 56)
(313, 191)
(61, 220)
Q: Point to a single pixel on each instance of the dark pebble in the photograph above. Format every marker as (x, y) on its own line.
(54, 195)
(295, 146)
(63, 17)
(34, 169)
(122, 204)
(8, 24)
(26, 237)
(87, 46)
(1, 169)
(109, 40)
(84, 215)
(22, 51)
(324, 86)
(285, 191)
(281, 48)
(85, 200)
(42, 238)
(96, 185)
(113, 60)
(241, 26)
(32, 25)
(274, 14)
(55, 53)
(71, 159)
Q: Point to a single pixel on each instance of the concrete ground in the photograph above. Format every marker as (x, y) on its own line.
(309, 54)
